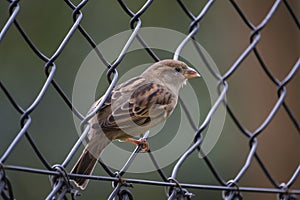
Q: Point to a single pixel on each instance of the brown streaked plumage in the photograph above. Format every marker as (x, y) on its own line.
(131, 109)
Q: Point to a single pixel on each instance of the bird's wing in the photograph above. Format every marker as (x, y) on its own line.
(116, 94)
(144, 104)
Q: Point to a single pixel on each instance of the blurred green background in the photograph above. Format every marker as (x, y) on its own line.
(222, 33)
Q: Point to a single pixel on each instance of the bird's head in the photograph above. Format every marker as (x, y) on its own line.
(172, 73)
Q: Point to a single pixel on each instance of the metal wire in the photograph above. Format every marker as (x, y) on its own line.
(175, 189)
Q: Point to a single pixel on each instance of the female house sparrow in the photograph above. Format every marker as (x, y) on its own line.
(131, 109)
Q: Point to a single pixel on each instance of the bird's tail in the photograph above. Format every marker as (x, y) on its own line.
(88, 159)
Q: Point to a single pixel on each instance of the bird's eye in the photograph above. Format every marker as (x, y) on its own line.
(177, 69)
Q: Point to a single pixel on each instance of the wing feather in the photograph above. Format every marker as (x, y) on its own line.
(139, 103)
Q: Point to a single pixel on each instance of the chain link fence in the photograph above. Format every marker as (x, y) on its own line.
(256, 46)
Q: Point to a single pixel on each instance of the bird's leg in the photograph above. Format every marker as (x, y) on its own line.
(142, 141)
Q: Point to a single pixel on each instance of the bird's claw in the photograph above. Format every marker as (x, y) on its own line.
(142, 141)
(144, 145)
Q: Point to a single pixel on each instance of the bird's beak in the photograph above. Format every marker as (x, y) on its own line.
(191, 73)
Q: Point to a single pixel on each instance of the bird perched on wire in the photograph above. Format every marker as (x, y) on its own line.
(131, 109)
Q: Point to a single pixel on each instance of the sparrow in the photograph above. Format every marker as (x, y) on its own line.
(132, 108)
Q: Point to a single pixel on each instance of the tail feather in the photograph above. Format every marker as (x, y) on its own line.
(85, 165)
(88, 159)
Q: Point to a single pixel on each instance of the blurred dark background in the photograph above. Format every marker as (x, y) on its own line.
(222, 33)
